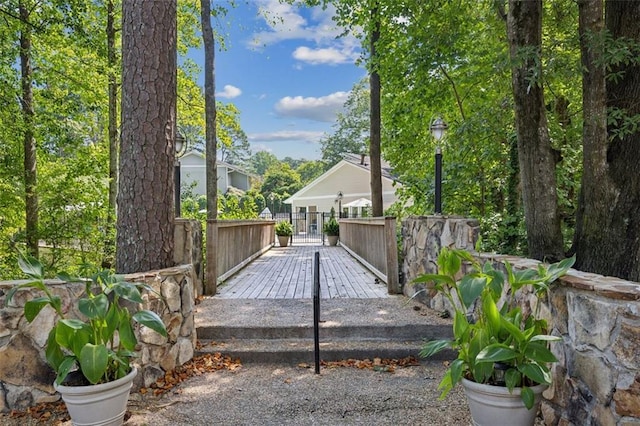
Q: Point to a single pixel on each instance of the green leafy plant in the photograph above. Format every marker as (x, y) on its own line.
(284, 229)
(332, 228)
(102, 345)
(502, 345)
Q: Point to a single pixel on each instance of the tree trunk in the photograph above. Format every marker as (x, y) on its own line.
(145, 222)
(374, 136)
(536, 159)
(113, 135)
(607, 237)
(211, 143)
(30, 158)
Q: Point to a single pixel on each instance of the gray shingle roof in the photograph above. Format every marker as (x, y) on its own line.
(364, 162)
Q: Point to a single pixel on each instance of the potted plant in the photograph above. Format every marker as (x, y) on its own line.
(284, 230)
(332, 229)
(503, 352)
(91, 355)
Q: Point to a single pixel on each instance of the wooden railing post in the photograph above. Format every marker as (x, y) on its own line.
(210, 279)
(391, 242)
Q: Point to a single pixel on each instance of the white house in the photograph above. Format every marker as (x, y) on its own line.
(192, 169)
(350, 178)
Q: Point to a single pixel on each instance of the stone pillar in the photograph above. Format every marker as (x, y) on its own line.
(422, 239)
(188, 249)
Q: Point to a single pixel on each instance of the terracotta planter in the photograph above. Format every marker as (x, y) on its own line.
(494, 405)
(100, 405)
(283, 240)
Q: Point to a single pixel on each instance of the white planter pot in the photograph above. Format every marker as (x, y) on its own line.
(495, 406)
(104, 404)
(333, 240)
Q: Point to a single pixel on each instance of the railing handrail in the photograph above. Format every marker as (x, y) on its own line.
(316, 310)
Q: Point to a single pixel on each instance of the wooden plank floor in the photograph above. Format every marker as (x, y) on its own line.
(287, 273)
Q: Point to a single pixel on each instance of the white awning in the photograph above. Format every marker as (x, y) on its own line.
(360, 202)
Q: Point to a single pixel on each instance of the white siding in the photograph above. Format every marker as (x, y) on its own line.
(347, 178)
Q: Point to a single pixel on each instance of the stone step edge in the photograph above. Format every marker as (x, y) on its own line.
(302, 350)
(413, 332)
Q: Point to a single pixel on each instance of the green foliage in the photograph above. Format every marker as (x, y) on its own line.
(502, 333)
(237, 207)
(351, 130)
(284, 228)
(280, 180)
(70, 73)
(103, 344)
(332, 227)
(309, 170)
(262, 161)
(233, 144)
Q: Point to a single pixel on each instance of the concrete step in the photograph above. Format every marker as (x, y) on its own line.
(281, 330)
(328, 332)
(295, 351)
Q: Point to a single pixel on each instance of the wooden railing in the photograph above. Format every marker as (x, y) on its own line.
(232, 244)
(373, 242)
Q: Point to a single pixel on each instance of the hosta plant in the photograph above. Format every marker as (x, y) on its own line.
(497, 342)
(100, 345)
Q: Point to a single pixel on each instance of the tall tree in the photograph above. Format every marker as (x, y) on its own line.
(280, 180)
(262, 161)
(210, 109)
(147, 146)
(211, 157)
(309, 170)
(350, 131)
(232, 140)
(607, 239)
(374, 122)
(535, 154)
(28, 140)
(112, 62)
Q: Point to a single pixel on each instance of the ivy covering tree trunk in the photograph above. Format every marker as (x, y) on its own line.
(145, 220)
(29, 142)
(536, 157)
(607, 239)
(112, 61)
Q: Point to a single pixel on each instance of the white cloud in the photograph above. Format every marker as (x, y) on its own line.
(286, 135)
(319, 109)
(285, 22)
(331, 56)
(229, 92)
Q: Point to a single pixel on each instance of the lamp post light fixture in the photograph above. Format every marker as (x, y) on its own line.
(272, 198)
(339, 200)
(438, 129)
(179, 145)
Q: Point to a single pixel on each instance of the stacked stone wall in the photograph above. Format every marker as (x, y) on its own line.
(26, 378)
(188, 249)
(597, 378)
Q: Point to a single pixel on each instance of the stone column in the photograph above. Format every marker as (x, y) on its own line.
(188, 249)
(422, 239)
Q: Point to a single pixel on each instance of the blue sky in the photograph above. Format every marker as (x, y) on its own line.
(286, 72)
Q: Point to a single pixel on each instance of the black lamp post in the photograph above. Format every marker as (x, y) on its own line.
(176, 172)
(339, 199)
(438, 129)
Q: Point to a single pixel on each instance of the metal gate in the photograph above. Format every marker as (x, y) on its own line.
(307, 227)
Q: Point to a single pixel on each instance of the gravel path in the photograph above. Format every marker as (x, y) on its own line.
(275, 395)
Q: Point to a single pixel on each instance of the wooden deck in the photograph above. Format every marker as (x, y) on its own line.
(287, 273)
